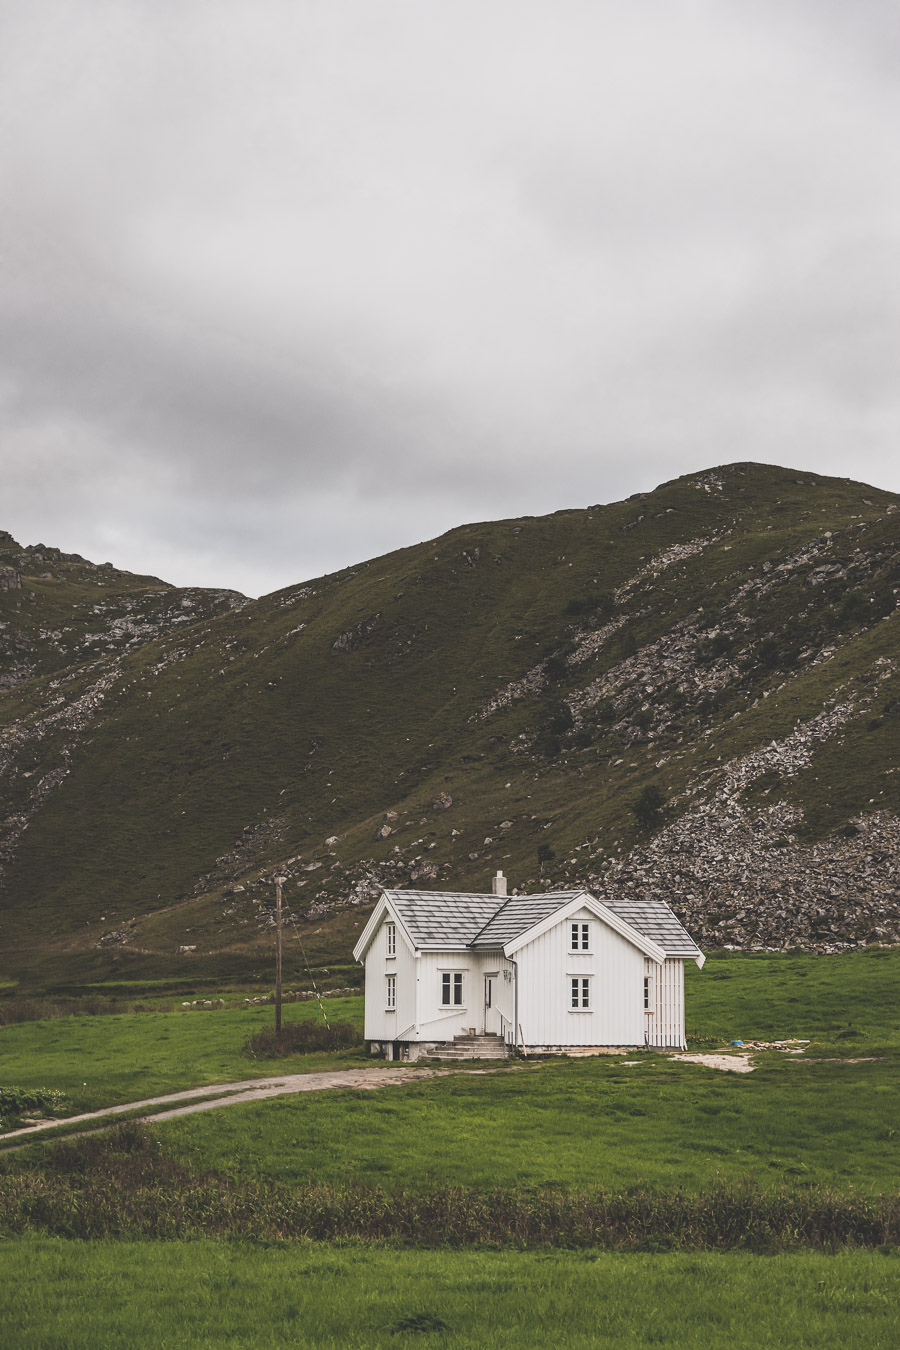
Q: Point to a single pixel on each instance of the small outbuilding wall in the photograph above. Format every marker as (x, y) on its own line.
(665, 1024)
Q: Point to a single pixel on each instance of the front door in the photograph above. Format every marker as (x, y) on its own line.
(491, 1020)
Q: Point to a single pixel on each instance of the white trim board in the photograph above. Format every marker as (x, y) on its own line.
(586, 901)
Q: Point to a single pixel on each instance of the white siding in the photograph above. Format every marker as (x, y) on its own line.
(502, 1023)
(666, 1026)
(437, 1023)
(381, 1025)
(545, 969)
(616, 969)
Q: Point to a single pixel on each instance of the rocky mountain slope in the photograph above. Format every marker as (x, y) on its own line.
(693, 694)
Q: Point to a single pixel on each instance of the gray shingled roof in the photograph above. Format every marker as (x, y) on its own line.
(657, 922)
(517, 914)
(453, 919)
(442, 918)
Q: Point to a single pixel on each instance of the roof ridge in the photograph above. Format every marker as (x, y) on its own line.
(560, 899)
(498, 911)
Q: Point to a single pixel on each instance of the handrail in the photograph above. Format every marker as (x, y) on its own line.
(454, 1012)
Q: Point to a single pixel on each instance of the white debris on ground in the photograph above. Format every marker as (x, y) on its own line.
(791, 1047)
(739, 1063)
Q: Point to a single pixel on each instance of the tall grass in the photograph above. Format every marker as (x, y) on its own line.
(124, 1186)
(16, 1103)
(13, 1010)
(301, 1038)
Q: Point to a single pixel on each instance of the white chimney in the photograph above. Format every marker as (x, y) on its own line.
(499, 884)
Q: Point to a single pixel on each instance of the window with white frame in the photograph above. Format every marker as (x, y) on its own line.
(390, 937)
(580, 992)
(581, 937)
(390, 993)
(451, 989)
(648, 993)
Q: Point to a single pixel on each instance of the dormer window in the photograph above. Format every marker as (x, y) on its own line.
(390, 937)
(581, 937)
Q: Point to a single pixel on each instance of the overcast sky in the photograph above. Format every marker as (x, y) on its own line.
(285, 284)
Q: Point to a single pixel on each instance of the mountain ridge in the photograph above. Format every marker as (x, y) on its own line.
(727, 640)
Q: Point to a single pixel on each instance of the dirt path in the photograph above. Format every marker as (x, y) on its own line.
(210, 1098)
(231, 1094)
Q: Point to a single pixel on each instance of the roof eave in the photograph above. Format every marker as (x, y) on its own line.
(456, 947)
(364, 941)
(586, 900)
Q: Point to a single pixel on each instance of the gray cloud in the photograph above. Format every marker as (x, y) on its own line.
(286, 285)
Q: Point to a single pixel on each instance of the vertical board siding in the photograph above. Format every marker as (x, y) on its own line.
(668, 1020)
(381, 1025)
(616, 968)
(436, 1023)
(545, 968)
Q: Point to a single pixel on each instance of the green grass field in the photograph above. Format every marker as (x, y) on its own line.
(847, 1005)
(572, 1124)
(569, 1123)
(800, 1122)
(102, 1061)
(59, 1295)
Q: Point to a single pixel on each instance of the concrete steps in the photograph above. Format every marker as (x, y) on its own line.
(472, 1047)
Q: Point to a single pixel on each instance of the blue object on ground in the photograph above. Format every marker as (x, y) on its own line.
(737, 1042)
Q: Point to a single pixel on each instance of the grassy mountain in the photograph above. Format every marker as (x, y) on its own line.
(692, 693)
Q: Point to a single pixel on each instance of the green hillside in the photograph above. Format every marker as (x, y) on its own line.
(729, 640)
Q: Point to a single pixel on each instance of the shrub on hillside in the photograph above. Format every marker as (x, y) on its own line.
(775, 652)
(648, 806)
(555, 667)
(547, 744)
(600, 605)
(856, 607)
(559, 719)
(301, 1038)
(711, 649)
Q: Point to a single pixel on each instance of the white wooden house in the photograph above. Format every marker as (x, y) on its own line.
(444, 970)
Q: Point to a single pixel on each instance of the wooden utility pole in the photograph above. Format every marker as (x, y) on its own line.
(279, 881)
